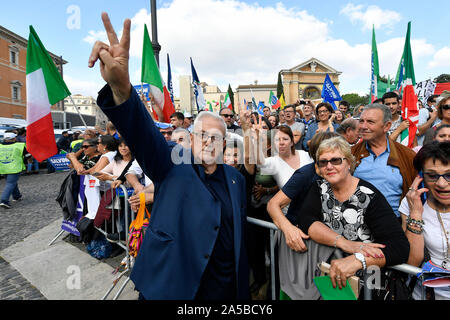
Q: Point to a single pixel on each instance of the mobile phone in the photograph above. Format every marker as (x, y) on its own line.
(423, 196)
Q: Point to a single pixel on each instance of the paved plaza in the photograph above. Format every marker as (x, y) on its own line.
(30, 269)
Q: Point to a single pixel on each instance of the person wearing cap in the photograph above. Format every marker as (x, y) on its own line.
(12, 154)
(165, 129)
(187, 124)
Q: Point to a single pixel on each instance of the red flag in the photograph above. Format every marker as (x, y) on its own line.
(410, 112)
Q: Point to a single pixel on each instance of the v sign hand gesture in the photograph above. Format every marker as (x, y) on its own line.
(114, 59)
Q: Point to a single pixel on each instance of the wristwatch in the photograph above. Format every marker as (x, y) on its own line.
(359, 256)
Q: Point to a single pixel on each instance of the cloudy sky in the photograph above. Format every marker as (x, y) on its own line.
(238, 42)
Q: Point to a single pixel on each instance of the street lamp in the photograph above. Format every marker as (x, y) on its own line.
(155, 44)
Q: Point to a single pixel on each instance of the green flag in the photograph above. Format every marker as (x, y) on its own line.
(375, 69)
(280, 90)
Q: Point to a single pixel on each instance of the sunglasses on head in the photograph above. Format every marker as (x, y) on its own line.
(334, 162)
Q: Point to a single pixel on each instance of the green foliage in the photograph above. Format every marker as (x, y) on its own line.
(355, 99)
(443, 78)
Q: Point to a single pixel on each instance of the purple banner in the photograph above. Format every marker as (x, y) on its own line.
(71, 225)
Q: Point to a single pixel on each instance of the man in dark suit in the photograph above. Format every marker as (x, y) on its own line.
(194, 246)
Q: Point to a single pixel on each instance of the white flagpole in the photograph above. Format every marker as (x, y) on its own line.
(76, 108)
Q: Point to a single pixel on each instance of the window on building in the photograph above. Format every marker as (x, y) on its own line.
(16, 91)
(14, 55)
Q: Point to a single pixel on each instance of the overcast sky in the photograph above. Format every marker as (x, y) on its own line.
(238, 42)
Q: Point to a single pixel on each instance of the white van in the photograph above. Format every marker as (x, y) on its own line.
(12, 122)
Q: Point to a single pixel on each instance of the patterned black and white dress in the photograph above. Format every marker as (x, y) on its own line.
(366, 216)
(347, 218)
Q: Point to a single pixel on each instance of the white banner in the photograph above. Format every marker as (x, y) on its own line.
(424, 90)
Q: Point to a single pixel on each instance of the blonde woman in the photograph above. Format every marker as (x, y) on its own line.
(348, 213)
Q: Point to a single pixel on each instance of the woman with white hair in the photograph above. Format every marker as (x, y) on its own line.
(348, 213)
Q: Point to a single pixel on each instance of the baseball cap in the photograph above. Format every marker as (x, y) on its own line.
(187, 115)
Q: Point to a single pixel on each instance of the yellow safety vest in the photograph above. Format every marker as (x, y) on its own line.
(75, 142)
(11, 158)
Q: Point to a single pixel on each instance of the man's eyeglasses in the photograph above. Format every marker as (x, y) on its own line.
(445, 107)
(227, 115)
(434, 177)
(87, 146)
(334, 162)
(204, 137)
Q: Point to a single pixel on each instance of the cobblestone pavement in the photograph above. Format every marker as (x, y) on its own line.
(36, 210)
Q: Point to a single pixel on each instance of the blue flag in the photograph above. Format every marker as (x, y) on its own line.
(246, 104)
(198, 91)
(143, 88)
(261, 107)
(330, 93)
(169, 79)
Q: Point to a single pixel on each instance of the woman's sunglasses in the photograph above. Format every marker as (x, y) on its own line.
(334, 162)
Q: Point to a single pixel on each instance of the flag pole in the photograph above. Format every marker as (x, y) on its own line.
(76, 108)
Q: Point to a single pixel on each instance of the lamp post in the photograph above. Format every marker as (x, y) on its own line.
(155, 44)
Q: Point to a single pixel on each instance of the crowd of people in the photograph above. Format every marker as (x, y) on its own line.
(332, 181)
(329, 180)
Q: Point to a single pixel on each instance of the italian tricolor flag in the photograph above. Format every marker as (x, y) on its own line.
(409, 101)
(227, 102)
(151, 75)
(45, 87)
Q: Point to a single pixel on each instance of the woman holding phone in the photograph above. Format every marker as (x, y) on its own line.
(427, 222)
(325, 122)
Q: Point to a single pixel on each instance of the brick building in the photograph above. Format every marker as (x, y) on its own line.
(13, 57)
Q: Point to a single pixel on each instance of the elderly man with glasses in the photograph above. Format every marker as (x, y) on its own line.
(194, 245)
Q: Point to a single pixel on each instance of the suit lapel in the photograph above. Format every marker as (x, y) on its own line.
(233, 189)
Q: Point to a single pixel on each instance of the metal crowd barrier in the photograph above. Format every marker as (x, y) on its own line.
(405, 268)
(113, 226)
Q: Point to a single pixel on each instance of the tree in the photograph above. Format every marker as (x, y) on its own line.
(355, 99)
(443, 78)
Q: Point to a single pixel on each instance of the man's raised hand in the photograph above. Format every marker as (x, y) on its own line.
(114, 59)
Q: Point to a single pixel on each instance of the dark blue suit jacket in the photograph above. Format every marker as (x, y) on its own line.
(182, 229)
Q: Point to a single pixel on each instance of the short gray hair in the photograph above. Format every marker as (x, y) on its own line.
(209, 114)
(349, 123)
(387, 114)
